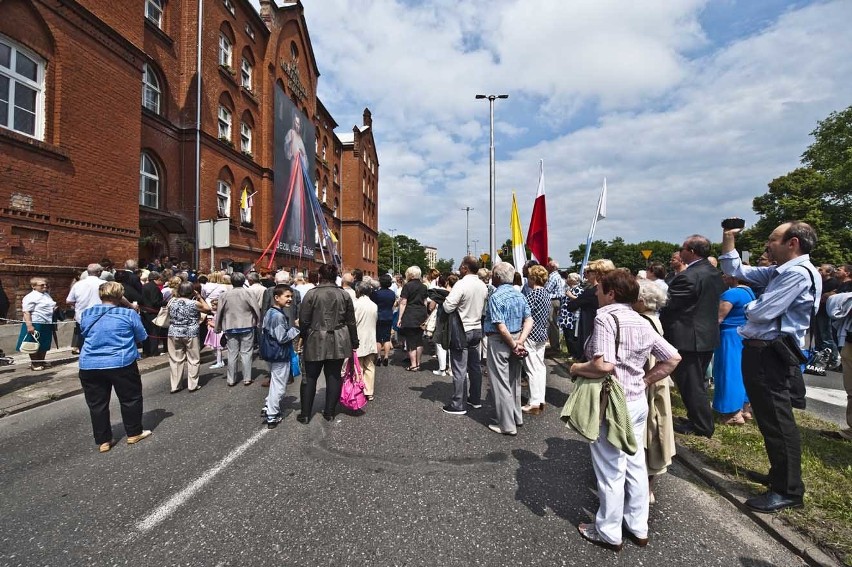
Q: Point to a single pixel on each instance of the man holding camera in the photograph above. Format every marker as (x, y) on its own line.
(773, 336)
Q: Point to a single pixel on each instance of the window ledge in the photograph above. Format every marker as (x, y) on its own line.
(22, 141)
(158, 31)
(250, 95)
(228, 74)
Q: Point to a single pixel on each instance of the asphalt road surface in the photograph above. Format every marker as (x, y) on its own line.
(403, 484)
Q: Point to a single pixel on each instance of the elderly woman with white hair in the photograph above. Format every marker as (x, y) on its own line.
(659, 429)
(412, 315)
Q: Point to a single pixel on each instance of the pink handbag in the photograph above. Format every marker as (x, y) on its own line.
(352, 393)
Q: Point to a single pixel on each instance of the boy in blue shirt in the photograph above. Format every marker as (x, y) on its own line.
(277, 348)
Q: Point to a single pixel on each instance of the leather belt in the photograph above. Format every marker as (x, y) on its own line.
(756, 343)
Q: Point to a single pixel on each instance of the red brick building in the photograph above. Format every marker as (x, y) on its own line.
(98, 134)
(361, 198)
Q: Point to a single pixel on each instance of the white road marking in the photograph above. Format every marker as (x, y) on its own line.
(169, 506)
(827, 395)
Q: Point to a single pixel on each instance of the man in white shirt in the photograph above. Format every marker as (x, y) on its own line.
(83, 295)
(467, 299)
(302, 284)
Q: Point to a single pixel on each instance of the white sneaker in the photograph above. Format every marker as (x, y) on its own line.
(439, 372)
(217, 365)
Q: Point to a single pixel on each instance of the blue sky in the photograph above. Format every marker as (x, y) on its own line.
(688, 107)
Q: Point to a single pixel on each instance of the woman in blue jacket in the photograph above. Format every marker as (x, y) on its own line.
(108, 361)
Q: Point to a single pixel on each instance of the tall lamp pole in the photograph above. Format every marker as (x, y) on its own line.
(476, 247)
(467, 228)
(393, 250)
(492, 233)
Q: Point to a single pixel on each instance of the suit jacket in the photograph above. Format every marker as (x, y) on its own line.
(327, 324)
(691, 317)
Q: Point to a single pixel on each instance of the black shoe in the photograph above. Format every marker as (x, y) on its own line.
(302, 418)
(273, 423)
(476, 405)
(757, 477)
(451, 410)
(688, 428)
(773, 502)
(634, 539)
(328, 416)
(385, 362)
(263, 412)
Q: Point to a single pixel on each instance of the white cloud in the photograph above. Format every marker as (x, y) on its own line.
(684, 140)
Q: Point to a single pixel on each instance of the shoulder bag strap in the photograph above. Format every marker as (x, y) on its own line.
(98, 319)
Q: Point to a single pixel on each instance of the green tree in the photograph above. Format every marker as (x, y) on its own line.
(445, 265)
(820, 193)
(401, 249)
(625, 255)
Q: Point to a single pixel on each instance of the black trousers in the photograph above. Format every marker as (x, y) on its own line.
(767, 382)
(333, 384)
(97, 388)
(690, 379)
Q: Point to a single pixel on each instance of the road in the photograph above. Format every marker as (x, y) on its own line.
(403, 484)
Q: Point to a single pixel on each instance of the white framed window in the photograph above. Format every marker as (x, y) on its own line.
(249, 31)
(149, 182)
(245, 138)
(150, 89)
(336, 206)
(226, 50)
(245, 73)
(223, 198)
(324, 191)
(324, 150)
(335, 171)
(229, 5)
(154, 12)
(21, 90)
(225, 118)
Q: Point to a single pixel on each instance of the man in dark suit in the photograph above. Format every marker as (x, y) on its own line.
(690, 323)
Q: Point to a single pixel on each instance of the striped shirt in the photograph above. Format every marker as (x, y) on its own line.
(636, 340)
(555, 285)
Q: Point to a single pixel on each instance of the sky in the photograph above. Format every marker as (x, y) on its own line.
(688, 108)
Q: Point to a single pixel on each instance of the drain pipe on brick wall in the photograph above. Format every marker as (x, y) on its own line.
(196, 252)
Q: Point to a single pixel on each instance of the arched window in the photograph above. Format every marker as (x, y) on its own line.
(151, 92)
(246, 133)
(225, 118)
(336, 171)
(324, 190)
(223, 198)
(226, 49)
(21, 90)
(154, 12)
(149, 182)
(336, 206)
(246, 69)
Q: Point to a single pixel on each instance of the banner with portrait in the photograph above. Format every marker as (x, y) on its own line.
(294, 148)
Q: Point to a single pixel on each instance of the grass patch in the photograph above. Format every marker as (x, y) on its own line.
(826, 470)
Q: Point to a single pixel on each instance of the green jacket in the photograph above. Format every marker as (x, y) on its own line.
(582, 412)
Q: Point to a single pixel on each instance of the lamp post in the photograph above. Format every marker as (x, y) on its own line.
(476, 247)
(492, 233)
(393, 251)
(467, 229)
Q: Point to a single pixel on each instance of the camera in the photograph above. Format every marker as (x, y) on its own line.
(732, 223)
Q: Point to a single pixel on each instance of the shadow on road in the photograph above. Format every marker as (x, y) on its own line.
(558, 480)
(435, 392)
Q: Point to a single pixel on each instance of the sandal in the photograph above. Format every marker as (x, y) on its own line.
(413, 369)
(38, 367)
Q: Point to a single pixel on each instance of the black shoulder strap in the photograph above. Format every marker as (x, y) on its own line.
(617, 334)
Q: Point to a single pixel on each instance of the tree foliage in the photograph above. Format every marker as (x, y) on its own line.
(445, 265)
(625, 255)
(820, 193)
(402, 250)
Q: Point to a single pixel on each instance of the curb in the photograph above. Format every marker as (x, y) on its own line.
(47, 399)
(772, 524)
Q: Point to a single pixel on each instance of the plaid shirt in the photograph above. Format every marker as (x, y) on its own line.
(506, 305)
(555, 285)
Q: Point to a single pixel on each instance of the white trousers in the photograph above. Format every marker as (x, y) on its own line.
(622, 481)
(536, 371)
(279, 372)
(442, 355)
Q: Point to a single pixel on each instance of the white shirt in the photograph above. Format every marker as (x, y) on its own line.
(468, 296)
(366, 315)
(39, 305)
(83, 295)
(304, 288)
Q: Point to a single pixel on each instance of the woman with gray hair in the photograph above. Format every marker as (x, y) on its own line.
(659, 428)
(366, 317)
(412, 315)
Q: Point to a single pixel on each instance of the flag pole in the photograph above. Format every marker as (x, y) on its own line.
(600, 213)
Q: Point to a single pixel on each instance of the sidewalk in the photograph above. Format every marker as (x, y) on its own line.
(22, 389)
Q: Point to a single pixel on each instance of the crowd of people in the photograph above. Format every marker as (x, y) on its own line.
(631, 336)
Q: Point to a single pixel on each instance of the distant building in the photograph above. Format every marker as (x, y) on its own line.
(431, 256)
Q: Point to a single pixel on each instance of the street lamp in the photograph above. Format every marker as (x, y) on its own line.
(393, 251)
(492, 233)
(476, 247)
(467, 228)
